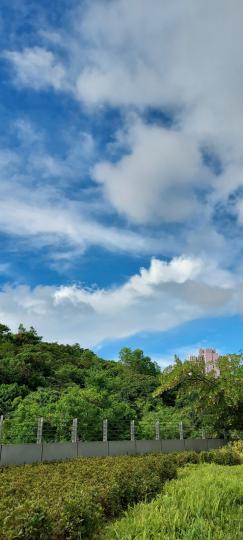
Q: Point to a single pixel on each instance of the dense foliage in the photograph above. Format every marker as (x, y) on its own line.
(205, 502)
(62, 382)
(73, 499)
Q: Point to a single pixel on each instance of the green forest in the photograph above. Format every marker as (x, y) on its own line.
(61, 382)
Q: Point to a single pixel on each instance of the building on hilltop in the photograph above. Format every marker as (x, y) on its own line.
(210, 357)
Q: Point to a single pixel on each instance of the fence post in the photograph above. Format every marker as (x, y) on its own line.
(39, 430)
(181, 431)
(105, 430)
(203, 434)
(74, 430)
(157, 430)
(132, 427)
(1, 426)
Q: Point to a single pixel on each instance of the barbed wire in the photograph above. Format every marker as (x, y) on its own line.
(52, 429)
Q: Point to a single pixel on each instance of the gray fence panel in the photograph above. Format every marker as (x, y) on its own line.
(196, 444)
(19, 454)
(144, 447)
(122, 448)
(173, 445)
(216, 443)
(59, 451)
(92, 449)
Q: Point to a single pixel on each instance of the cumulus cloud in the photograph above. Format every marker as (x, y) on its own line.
(180, 57)
(38, 68)
(156, 299)
(156, 179)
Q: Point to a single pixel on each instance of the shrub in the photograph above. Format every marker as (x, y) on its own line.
(26, 521)
(223, 456)
(81, 515)
(237, 446)
(69, 499)
(227, 455)
(190, 456)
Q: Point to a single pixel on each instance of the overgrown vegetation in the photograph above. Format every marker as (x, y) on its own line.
(74, 499)
(206, 502)
(62, 382)
(66, 500)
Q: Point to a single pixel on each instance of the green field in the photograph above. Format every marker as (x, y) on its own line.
(77, 499)
(205, 503)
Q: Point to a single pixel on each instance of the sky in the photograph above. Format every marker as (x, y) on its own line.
(121, 173)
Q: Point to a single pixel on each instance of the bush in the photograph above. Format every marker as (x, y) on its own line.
(27, 521)
(237, 446)
(223, 456)
(190, 456)
(69, 499)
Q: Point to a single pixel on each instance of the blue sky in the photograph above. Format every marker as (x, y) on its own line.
(121, 173)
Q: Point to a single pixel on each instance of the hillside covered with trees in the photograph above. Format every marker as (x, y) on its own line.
(61, 382)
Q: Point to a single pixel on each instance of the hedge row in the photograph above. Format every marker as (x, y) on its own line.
(73, 499)
(69, 499)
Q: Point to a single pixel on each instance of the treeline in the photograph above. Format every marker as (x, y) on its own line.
(62, 382)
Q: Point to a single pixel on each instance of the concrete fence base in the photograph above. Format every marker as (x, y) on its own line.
(19, 454)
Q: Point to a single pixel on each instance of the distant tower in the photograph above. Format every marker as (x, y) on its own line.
(210, 357)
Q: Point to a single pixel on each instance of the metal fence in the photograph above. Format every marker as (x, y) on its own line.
(50, 429)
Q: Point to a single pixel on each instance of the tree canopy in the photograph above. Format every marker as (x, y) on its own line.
(62, 382)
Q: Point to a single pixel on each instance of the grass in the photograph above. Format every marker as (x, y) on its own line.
(204, 503)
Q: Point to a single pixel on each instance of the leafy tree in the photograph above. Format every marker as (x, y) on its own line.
(136, 361)
(5, 333)
(8, 393)
(214, 402)
(58, 410)
(169, 419)
(24, 336)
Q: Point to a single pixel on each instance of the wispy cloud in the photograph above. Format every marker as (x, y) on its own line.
(37, 68)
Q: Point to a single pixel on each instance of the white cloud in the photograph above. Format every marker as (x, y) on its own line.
(156, 180)
(183, 57)
(37, 203)
(38, 216)
(178, 56)
(37, 68)
(156, 299)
